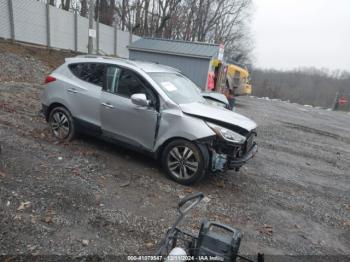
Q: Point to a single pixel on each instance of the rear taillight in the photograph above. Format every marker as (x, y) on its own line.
(49, 79)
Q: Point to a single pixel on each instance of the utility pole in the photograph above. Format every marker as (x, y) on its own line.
(336, 101)
(91, 26)
(98, 27)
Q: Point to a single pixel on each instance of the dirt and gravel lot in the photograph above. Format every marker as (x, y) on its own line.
(89, 197)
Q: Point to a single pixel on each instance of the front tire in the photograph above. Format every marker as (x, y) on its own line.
(183, 162)
(61, 124)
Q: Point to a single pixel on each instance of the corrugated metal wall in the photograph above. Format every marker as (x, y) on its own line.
(29, 21)
(61, 28)
(83, 34)
(194, 68)
(123, 41)
(5, 30)
(30, 25)
(107, 34)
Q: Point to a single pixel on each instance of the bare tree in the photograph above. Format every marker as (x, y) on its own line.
(65, 4)
(84, 8)
(104, 10)
(214, 21)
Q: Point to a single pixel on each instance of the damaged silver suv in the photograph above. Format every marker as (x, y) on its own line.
(151, 108)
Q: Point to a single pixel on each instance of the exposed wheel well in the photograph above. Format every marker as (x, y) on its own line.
(199, 153)
(52, 106)
(201, 147)
(162, 147)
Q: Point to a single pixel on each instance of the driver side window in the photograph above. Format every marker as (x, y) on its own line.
(124, 82)
(129, 84)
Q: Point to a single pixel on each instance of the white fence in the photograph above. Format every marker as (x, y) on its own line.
(35, 22)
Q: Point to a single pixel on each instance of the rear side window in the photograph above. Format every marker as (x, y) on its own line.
(89, 72)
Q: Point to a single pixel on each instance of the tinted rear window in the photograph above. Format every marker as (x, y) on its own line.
(89, 72)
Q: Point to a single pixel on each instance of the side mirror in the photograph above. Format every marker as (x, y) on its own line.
(140, 100)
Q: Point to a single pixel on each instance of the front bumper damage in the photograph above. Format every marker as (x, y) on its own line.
(225, 156)
(236, 163)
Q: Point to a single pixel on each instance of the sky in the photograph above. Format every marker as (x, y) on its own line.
(290, 34)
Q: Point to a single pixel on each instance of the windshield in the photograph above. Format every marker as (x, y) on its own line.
(178, 87)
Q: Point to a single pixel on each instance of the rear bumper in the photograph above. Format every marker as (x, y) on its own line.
(236, 163)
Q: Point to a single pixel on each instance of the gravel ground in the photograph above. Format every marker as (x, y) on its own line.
(23, 63)
(92, 198)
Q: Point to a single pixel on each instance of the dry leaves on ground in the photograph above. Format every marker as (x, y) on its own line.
(125, 184)
(23, 205)
(188, 190)
(49, 215)
(220, 183)
(149, 245)
(85, 242)
(266, 229)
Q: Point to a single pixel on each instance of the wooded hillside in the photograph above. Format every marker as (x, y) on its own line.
(305, 86)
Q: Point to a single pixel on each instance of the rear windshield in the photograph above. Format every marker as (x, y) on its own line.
(178, 87)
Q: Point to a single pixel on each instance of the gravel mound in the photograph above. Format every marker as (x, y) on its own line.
(30, 64)
(21, 69)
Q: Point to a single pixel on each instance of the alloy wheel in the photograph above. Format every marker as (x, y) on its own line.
(60, 125)
(182, 162)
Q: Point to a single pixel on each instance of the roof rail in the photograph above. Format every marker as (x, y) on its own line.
(71, 59)
(97, 56)
(89, 56)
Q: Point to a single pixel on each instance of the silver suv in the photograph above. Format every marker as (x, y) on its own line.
(151, 108)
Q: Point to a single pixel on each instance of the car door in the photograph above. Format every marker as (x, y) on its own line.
(84, 92)
(120, 118)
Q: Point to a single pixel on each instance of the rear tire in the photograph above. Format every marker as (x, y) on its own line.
(61, 124)
(183, 162)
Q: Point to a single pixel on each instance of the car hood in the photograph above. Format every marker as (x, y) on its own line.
(217, 115)
(215, 96)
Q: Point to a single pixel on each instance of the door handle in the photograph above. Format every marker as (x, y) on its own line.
(72, 90)
(107, 105)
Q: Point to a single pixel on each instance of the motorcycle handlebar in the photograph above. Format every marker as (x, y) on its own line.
(198, 196)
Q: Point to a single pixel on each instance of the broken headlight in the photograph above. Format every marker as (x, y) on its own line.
(227, 134)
